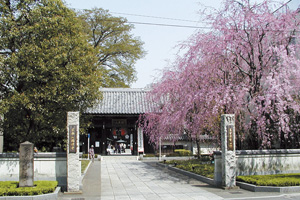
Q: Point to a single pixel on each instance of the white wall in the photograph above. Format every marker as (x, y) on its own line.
(206, 148)
(47, 166)
(263, 162)
(260, 162)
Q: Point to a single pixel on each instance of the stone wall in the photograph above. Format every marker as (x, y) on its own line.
(262, 162)
(47, 166)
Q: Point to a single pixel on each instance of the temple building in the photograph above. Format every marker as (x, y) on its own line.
(115, 129)
(115, 123)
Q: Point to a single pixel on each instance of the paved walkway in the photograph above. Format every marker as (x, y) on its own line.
(91, 185)
(129, 179)
(125, 178)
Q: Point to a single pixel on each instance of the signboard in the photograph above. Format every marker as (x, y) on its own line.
(72, 138)
(119, 122)
(97, 144)
(140, 140)
(229, 138)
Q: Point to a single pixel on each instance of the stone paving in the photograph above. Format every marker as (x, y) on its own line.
(123, 177)
(126, 178)
(91, 185)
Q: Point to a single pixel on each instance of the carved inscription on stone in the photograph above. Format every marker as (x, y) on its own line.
(230, 138)
(72, 138)
(26, 175)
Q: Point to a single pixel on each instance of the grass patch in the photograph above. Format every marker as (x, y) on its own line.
(194, 166)
(10, 188)
(279, 180)
(84, 164)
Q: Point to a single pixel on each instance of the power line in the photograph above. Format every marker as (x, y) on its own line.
(148, 16)
(169, 25)
(196, 27)
(285, 4)
(156, 17)
(175, 19)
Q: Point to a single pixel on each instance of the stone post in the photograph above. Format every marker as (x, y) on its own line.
(228, 150)
(218, 168)
(26, 173)
(73, 163)
(1, 133)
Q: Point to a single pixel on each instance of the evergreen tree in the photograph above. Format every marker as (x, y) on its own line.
(47, 68)
(117, 49)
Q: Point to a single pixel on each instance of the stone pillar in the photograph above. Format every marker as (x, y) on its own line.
(26, 173)
(228, 150)
(218, 168)
(1, 133)
(135, 146)
(73, 163)
(140, 140)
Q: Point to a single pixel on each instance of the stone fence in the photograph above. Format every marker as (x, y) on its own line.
(261, 162)
(47, 166)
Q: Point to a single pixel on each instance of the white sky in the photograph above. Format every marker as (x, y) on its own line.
(160, 41)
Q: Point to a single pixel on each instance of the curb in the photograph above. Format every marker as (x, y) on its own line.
(245, 186)
(50, 196)
(82, 176)
(255, 188)
(189, 174)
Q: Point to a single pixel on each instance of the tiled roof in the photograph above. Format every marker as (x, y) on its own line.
(121, 101)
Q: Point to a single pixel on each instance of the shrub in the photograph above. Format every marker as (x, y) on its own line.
(174, 154)
(207, 158)
(195, 166)
(183, 152)
(279, 180)
(86, 155)
(10, 188)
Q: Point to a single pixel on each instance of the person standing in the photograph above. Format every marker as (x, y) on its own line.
(92, 153)
(35, 150)
(119, 148)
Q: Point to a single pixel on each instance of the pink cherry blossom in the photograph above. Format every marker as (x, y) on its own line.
(247, 64)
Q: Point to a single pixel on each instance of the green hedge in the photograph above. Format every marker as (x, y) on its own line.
(279, 180)
(183, 152)
(86, 155)
(194, 166)
(10, 188)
